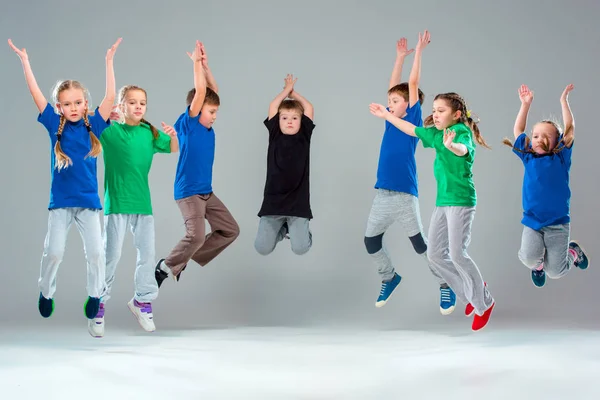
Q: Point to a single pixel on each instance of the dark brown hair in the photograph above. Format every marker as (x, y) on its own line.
(211, 98)
(291, 105)
(403, 90)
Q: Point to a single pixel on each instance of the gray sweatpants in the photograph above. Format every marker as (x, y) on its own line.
(271, 230)
(142, 228)
(550, 246)
(388, 207)
(449, 237)
(59, 223)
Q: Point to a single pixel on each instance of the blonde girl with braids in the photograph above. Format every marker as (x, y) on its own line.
(453, 133)
(74, 134)
(129, 145)
(546, 248)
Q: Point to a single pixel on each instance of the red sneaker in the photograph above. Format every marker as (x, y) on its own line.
(469, 310)
(480, 321)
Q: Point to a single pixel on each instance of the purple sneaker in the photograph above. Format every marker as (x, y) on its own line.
(143, 313)
(96, 325)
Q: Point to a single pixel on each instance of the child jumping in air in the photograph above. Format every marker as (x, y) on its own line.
(285, 210)
(129, 145)
(193, 182)
(74, 195)
(396, 198)
(450, 130)
(546, 156)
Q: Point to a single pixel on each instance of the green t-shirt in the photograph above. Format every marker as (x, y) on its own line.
(128, 153)
(454, 174)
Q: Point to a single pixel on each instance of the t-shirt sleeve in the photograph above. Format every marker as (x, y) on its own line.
(464, 136)
(414, 114)
(426, 135)
(307, 126)
(185, 123)
(49, 119)
(162, 144)
(273, 125)
(98, 123)
(566, 152)
(519, 146)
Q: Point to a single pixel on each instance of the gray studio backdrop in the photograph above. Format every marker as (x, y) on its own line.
(342, 54)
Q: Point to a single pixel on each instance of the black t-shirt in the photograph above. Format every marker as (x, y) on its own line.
(287, 189)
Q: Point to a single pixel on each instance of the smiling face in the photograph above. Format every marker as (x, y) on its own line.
(72, 103)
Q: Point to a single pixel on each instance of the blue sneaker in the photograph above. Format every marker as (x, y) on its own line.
(582, 261)
(538, 277)
(386, 290)
(46, 306)
(91, 307)
(447, 301)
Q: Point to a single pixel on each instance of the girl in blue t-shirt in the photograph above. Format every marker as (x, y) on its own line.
(545, 245)
(74, 196)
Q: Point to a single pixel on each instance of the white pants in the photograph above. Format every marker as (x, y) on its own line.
(142, 228)
(59, 223)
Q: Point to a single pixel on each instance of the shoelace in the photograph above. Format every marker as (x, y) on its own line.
(445, 295)
(383, 287)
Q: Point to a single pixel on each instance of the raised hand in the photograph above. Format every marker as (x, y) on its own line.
(424, 40)
(204, 56)
(196, 55)
(169, 130)
(402, 48)
(115, 115)
(21, 53)
(565, 93)
(378, 110)
(449, 136)
(110, 53)
(289, 82)
(525, 94)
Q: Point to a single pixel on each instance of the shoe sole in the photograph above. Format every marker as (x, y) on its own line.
(380, 304)
(584, 252)
(93, 334)
(447, 311)
(132, 309)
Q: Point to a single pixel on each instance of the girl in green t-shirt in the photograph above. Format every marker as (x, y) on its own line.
(450, 130)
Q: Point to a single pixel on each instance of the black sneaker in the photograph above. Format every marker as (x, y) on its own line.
(46, 306)
(538, 277)
(91, 307)
(159, 274)
(582, 261)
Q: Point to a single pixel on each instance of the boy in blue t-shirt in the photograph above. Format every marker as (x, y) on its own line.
(396, 198)
(193, 181)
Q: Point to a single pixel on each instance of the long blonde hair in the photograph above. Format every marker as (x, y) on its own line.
(123, 92)
(62, 159)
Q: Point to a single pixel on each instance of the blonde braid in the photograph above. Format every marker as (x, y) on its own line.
(62, 160)
(96, 145)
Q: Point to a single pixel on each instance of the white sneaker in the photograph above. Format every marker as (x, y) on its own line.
(143, 313)
(96, 325)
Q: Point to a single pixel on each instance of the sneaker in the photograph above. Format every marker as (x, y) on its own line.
(469, 310)
(46, 306)
(386, 290)
(447, 301)
(96, 325)
(91, 307)
(538, 277)
(582, 260)
(480, 321)
(143, 313)
(159, 274)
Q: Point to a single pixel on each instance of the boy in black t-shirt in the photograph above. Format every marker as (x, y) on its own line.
(285, 211)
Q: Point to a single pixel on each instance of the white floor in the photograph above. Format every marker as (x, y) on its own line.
(290, 363)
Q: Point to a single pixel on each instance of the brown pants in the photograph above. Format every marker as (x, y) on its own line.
(196, 245)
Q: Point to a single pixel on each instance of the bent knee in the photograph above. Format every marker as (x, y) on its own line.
(301, 249)
(373, 243)
(262, 249)
(418, 243)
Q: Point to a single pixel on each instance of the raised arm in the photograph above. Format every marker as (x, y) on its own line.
(526, 97)
(308, 107)
(106, 106)
(415, 72)
(210, 79)
(401, 53)
(34, 89)
(287, 89)
(568, 121)
(199, 81)
(379, 111)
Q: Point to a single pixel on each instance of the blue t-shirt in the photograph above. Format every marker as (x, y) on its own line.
(397, 169)
(546, 193)
(76, 185)
(196, 157)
